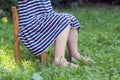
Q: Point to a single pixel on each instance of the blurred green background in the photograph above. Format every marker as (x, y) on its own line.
(5, 5)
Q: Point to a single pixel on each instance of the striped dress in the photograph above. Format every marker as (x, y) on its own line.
(40, 25)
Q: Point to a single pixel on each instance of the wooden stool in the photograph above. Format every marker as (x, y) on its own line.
(16, 38)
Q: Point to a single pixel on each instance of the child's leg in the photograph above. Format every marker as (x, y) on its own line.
(73, 45)
(73, 41)
(60, 44)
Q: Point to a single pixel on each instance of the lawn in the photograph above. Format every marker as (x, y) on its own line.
(99, 39)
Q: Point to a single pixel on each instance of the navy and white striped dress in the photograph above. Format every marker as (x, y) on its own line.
(40, 25)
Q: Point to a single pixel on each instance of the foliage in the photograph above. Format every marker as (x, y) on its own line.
(99, 39)
(6, 6)
(66, 3)
(116, 1)
(81, 2)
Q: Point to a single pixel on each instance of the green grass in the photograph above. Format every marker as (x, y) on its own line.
(99, 39)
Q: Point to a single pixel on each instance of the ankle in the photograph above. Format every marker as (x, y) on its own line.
(59, 59)
(74, 53)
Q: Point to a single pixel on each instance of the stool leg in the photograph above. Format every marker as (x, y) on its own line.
(43, 57)
(16, 48)
(16, 41)
(16, 30)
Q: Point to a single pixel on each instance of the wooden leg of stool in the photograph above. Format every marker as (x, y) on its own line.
(16, 50)
(16, 45)
(43, 57)
(16, 30)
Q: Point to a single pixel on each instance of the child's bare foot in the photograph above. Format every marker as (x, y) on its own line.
(79, 57)
(64, 62)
